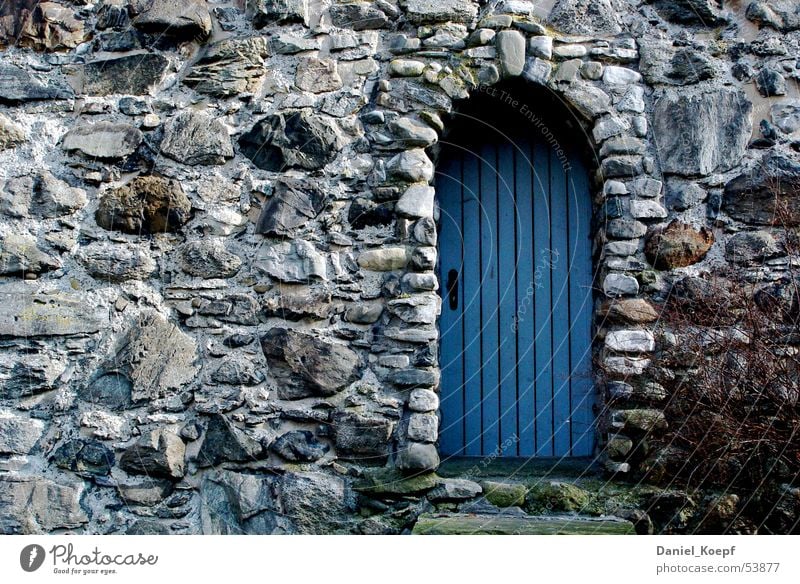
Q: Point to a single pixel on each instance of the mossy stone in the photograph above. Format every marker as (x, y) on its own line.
(557, 496)
(504, 494)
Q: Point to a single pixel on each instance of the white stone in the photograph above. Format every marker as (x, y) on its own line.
(18, 434)
(511, 52)
(423, 427)
(569, 51)
(620, 285)
(537, 71)
(291, 261)
(614, 75)
(105, 426)
(541, 46)
(614, 187)
(639, 124)
(631, 341)
(417, 202)
(423, 400)
(647, 187)
(406, 68)
(411, 165)
(633, 100)
(648, 209)
(384, 260)
(609, 126)
(786, 116)
(621, 248)
(413, 132)
(626, 365)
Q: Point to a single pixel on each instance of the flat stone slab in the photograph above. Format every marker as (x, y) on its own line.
(27, 313)
(464, 524)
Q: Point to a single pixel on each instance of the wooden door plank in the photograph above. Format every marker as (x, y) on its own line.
(526, 287)
(490, 403)
(448, 191)
(542, 301)
(471, 280)
(507, 309)
(581, 308)
(559, 267)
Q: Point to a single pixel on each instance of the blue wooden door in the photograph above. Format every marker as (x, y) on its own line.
(516, 281)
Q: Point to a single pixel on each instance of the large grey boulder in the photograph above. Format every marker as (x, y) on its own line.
(695, 12)
(585, 17)
(196, 138)
(85, 457)
(18, 433)
(782, 15)
(299, 446)
(24, 374)
(241, 503)
(116, 262)
(358, 16)
(228, 68)
(183, 20)
(318, 75)
(293, 204)
(30, 312)
(362, 437)
(155, 355)
(40, 195)
(18, 85)
(103, 140)
(305, 365)
(20, 254)
(31, 505)
(133, 74)
(415, 457)
(159, 453)
(699, 133)
(786, 116)
(300, 139)
(266, 12)
(410, 165)
(427, 11)
(208, 258)
(317, 502)
(767, 193)
(224, 441)
(291, 261)
(751, 248)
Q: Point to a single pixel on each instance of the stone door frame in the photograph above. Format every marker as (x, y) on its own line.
(609, 101)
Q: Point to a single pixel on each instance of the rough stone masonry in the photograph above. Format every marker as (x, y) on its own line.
(218, 304)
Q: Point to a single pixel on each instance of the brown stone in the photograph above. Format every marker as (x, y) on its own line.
(148, 204)
(43, 26)
(677, 245)
(633, 310)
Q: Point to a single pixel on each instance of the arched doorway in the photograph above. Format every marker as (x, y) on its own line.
(516, 272)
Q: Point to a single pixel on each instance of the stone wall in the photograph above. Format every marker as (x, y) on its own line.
(218, 236)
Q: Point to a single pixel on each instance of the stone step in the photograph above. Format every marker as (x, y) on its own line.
(470, 524)
(519, 469)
